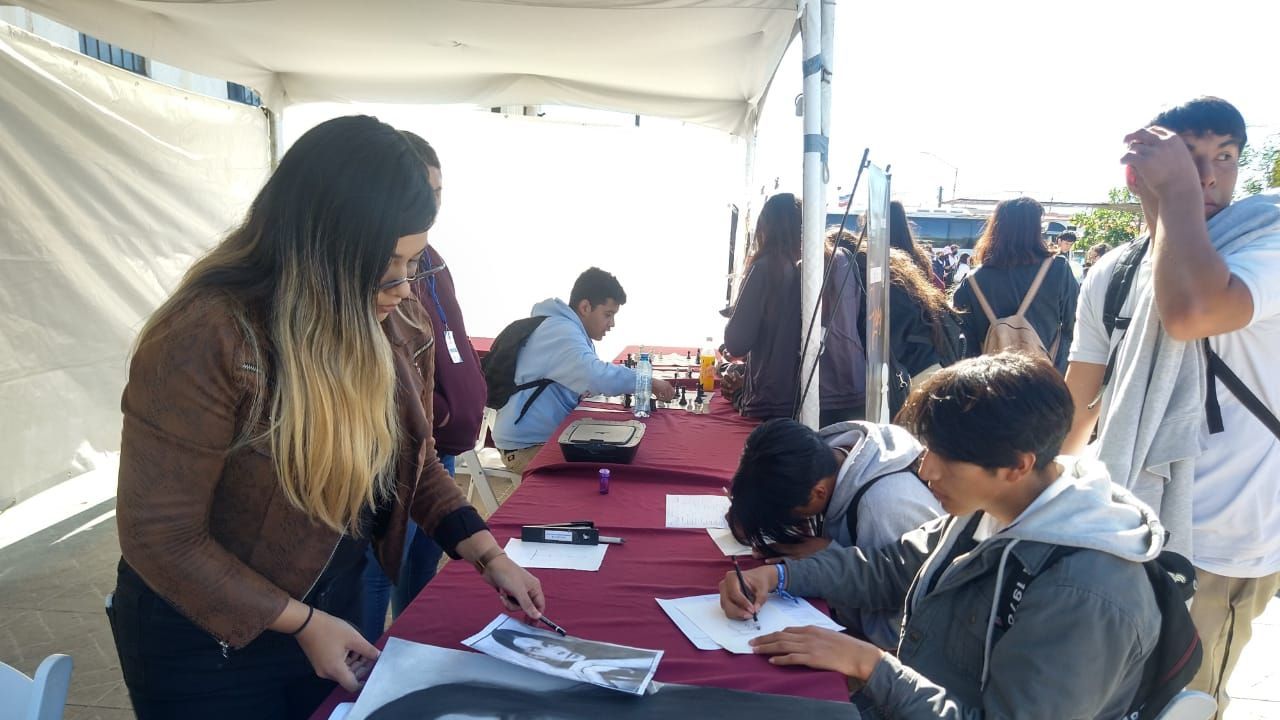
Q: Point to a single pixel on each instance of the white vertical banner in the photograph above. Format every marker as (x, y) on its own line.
(878, 368)
(817, 95)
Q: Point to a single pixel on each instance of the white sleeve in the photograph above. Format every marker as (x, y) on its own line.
(1257, 266)
(1092, 343)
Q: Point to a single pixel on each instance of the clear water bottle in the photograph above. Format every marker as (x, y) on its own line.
(644, 386)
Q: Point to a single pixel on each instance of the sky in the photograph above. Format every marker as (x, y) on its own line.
(1001, 98)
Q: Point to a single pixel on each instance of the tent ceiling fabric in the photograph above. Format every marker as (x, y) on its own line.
(704, 61)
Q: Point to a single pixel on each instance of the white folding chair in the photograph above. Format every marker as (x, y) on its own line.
(482, 465)
(40, 698)
(1189, 705)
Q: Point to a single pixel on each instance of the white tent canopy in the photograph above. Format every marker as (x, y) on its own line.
(704, 61)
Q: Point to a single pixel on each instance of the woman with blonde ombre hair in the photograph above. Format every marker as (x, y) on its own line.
(277, 420)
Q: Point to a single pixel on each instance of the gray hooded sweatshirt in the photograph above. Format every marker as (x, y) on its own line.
(895, 505)
(1084, 627)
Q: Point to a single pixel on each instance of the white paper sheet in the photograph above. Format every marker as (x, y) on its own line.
(697, 511)
(727, 543)
(700, 640)
(554, 556)
(733, 635)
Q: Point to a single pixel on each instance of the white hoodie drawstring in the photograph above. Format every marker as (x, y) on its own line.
(991, 619)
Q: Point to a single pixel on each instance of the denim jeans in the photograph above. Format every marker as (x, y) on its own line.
(417, 567)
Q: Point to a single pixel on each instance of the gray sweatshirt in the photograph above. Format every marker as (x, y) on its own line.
(896, 504)
(1084, 626)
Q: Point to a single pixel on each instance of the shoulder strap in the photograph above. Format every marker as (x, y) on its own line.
(1016, 579)
(982, 299)
(1216, 368)
(851, 515)
(1118, 288)
(1035, 286)
(541, 385)
(1121, 282)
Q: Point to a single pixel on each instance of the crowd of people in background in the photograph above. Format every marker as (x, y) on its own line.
(293, 413)
(1131, 397)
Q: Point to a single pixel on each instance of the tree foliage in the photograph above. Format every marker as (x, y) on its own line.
(1112, 226)
(1260, 167)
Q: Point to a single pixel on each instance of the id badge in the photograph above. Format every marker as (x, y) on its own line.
(449, 342)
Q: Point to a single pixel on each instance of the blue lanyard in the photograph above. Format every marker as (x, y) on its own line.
(431, 285)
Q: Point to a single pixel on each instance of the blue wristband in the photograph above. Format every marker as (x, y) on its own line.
(781, 590)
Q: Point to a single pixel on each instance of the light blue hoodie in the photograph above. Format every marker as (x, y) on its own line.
(558, 350)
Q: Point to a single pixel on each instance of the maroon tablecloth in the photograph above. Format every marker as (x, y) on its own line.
(676, 443)
(681, 454)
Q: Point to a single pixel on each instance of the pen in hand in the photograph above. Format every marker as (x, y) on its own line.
(751, 597)
(546, 621)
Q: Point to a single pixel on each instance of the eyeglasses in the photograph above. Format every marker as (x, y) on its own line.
(414, 275)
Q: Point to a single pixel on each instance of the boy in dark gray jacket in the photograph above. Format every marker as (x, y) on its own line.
(992, 427)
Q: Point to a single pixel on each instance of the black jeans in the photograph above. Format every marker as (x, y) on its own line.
(175, 670)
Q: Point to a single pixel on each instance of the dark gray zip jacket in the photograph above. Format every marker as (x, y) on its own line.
(1084, 627)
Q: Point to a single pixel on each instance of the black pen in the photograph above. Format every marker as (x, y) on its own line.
(749, 595)
(552, 625)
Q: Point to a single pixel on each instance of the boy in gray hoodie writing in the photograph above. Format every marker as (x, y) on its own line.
(797, 491)
(991, 427)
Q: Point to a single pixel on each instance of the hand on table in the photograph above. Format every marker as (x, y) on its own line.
(337, 651)
(759, 580)
(821, 649)
(663, 390)
(518, 589)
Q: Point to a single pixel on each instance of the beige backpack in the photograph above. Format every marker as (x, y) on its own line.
(1014, 332)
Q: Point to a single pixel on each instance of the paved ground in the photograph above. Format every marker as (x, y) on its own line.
(52, 586)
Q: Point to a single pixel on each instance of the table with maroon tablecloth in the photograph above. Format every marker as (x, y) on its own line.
(482, 345)
(682, 453)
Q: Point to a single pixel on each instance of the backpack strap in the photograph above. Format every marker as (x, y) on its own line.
(851, 515)
(982, 299)
(1216, 368)
(1035, 286)
(1121, 282)
(1118, 288)
(541, 385)
(1016, 579)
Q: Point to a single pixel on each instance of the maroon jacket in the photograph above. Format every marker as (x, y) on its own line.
(460, 391)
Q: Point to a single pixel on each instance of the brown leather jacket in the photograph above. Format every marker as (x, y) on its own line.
(209, 528)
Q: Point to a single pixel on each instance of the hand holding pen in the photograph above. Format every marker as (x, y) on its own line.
(746, 591)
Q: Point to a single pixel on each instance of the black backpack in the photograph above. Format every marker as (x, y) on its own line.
(1118, 290)
(499, 365)
(1178, 652)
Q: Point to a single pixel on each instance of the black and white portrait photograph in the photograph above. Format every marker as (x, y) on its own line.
(616, 667)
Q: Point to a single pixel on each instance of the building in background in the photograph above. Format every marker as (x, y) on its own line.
(104, 51)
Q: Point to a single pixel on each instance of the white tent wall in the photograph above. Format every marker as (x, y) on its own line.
(529, 203)
(110, 185)
(704, 62)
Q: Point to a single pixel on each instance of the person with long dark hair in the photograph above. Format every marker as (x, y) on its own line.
(1012, 253)
(766, 325)
(277, 418)
(901, 239)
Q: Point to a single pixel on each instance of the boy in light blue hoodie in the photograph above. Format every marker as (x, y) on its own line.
(562, 350)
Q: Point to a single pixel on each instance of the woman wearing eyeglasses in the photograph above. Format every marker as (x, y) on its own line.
(277, 419)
